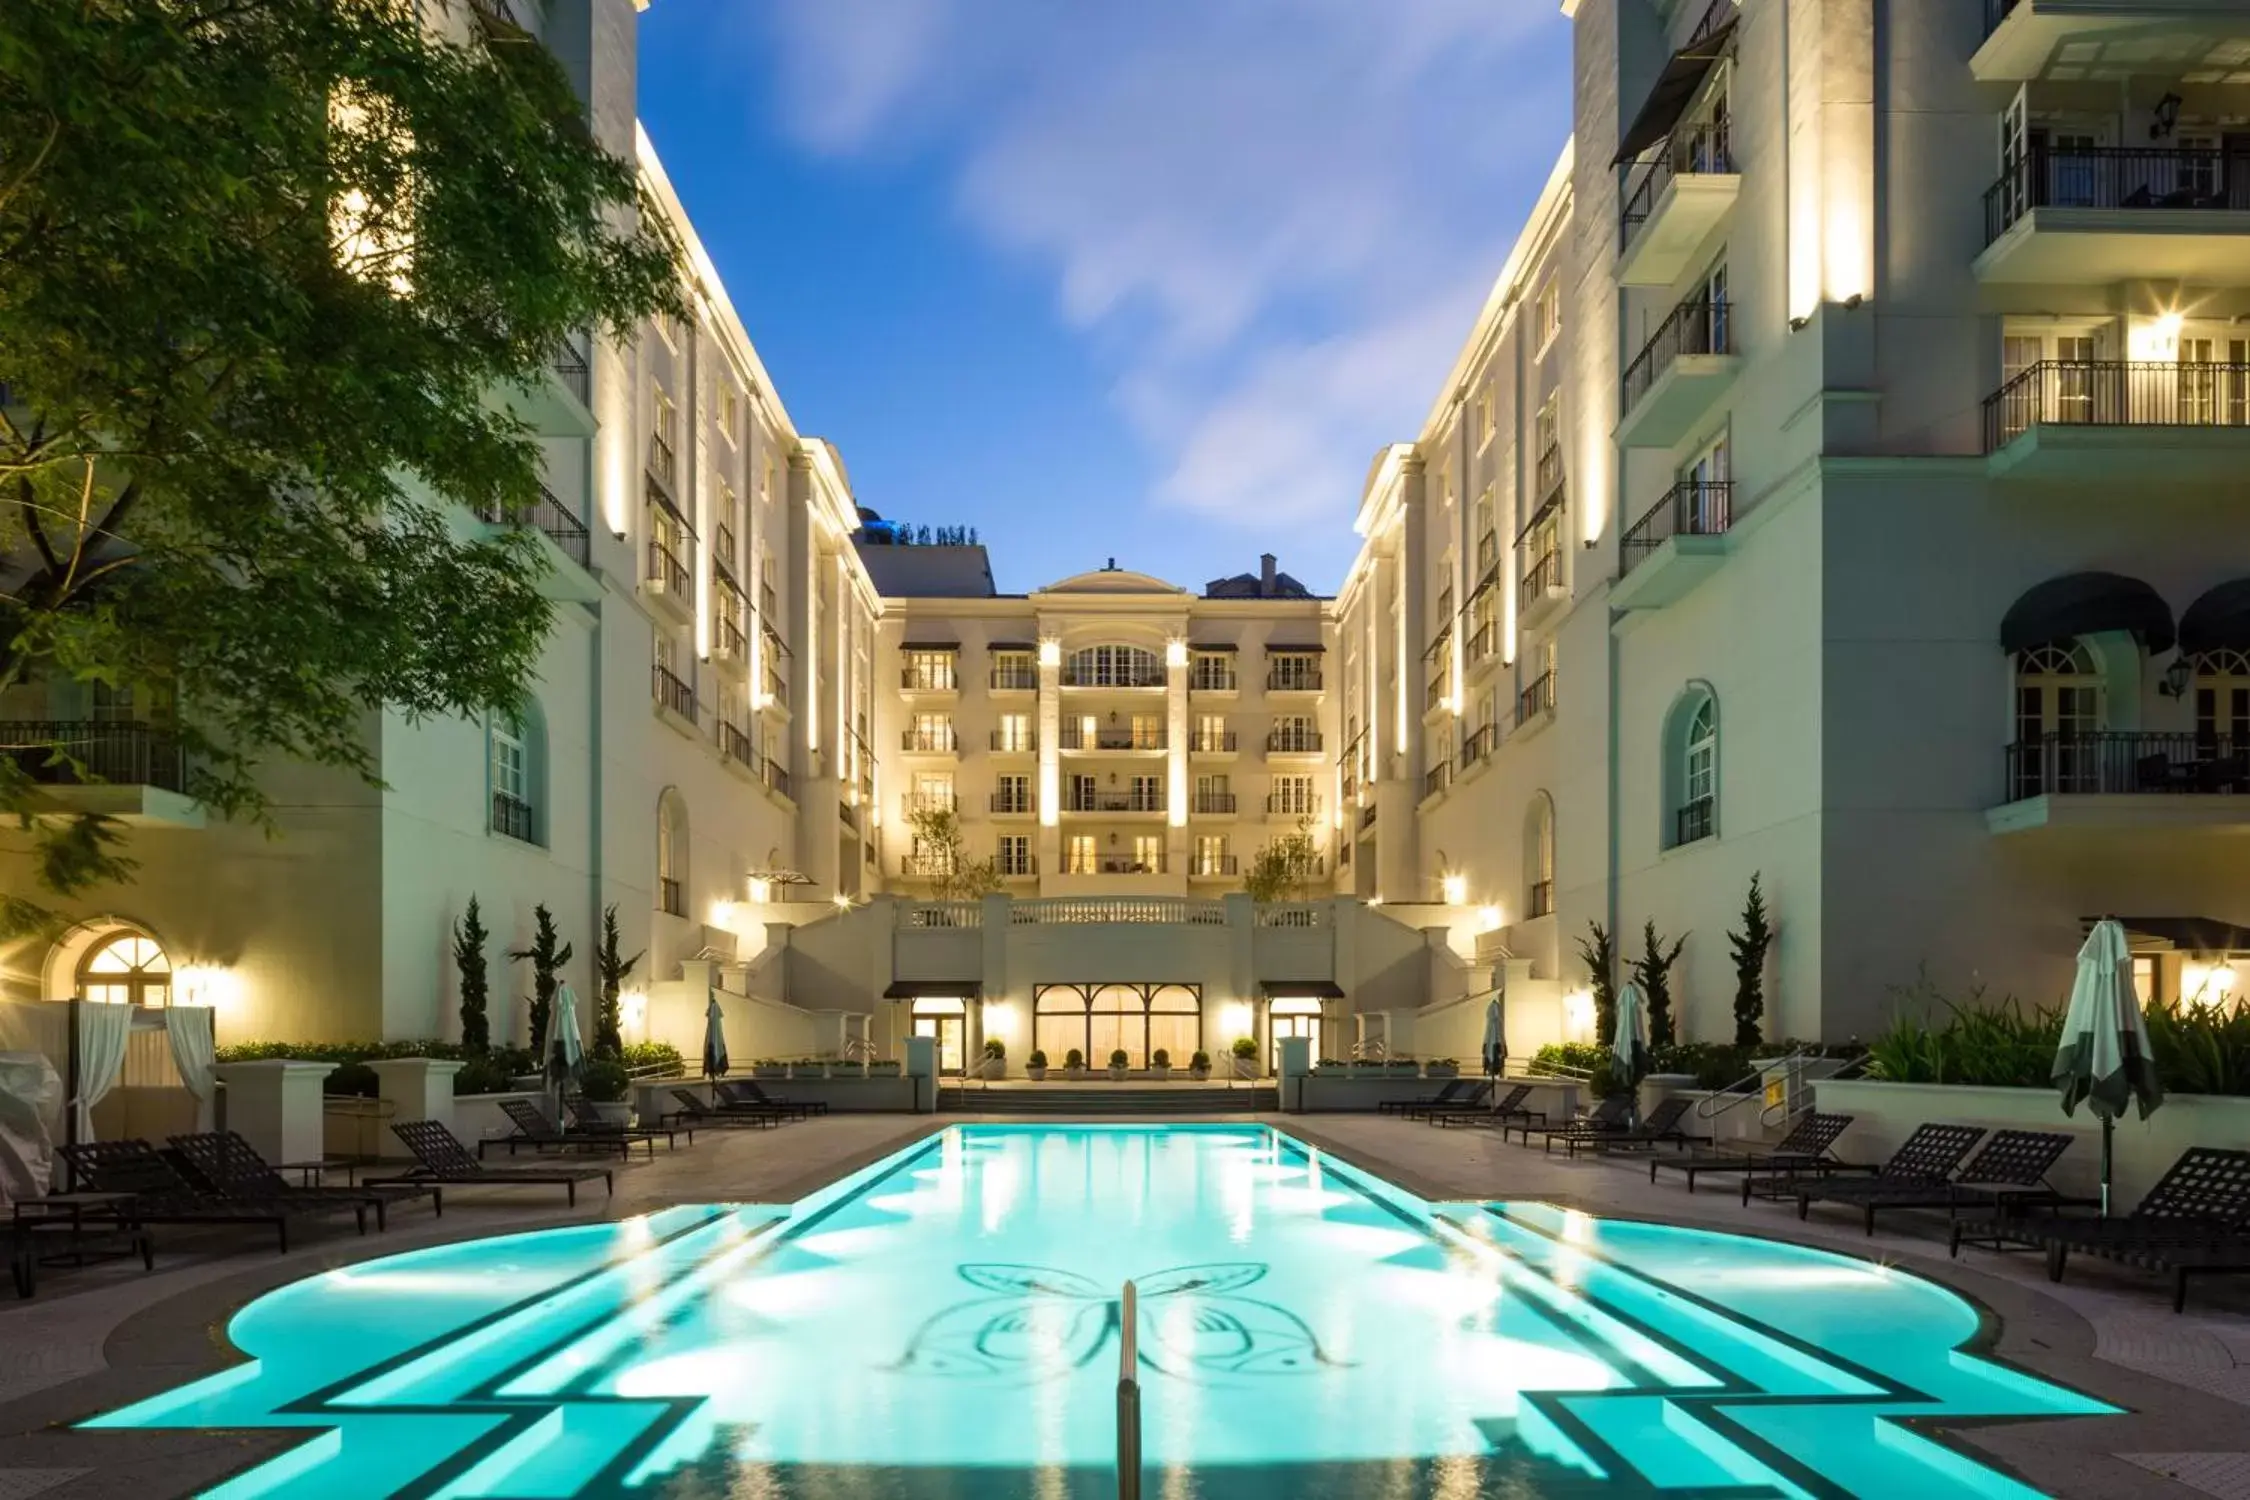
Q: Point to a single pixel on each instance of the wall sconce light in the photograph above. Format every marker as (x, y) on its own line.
(2177, 676)
(2167, 117)
(1855, 299)
(2206, 982)
(843, 902)
(211, 986)
(632, 1010)
(1456, 889)
(1050, 653)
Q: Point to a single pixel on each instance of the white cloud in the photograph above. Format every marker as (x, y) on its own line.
(1280, 216)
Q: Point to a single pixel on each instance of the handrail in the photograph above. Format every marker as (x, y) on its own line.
(1538, 1069)
(1129, 1397)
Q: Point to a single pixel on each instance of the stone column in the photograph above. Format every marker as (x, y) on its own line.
(276, 1106)
(1050, 788)
(415, 1088)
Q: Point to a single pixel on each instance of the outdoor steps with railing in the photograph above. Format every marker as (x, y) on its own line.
(1106, 1100)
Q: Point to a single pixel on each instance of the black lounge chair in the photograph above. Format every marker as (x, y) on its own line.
(586, 1120)
(1477, 1096)
(1925, 1159)
(440, 1157)
(1607, 1117)
(162, 1196)
(76, 1225)
(694, 1111)
(1806, 1145)
(750, 1091)
(2195, 1222)
(1508, 1108)
(1661, 1126)
(232, 1168)
(2007, 1175)
(1446, 1095)
(534, 1129)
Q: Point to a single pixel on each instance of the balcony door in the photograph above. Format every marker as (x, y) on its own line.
(2058, 720)
(2222, 704)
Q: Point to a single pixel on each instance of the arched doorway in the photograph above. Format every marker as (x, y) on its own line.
(1135, 1019)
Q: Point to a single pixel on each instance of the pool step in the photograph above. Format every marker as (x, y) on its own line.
(1101, 1101)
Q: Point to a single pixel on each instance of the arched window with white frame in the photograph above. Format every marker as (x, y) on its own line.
(1691, 768)
(671, 852)
(2058, 713)
(1539, 857)
(128, 967)
(2222, 703)
(516, 767)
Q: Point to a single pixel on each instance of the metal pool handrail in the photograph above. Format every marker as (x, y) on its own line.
(1129, 1398)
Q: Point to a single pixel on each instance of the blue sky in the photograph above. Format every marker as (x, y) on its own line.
(1151, 280)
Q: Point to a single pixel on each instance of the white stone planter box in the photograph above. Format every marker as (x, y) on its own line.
(1884, 1114)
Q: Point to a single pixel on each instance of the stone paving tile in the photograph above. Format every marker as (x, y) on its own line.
(22, 1484)
(2226, 1475)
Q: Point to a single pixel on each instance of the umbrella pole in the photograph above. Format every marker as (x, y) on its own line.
(2108, 1125)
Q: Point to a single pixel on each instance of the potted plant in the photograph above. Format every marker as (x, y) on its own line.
(1245, 1057)
(809, 1067)
(1442, 1067)
(995, 1058)
(1117, 1065)
(1035, 1066)
(1074, 1064)
(604, 1083)
(1160, 1064)
(1199, 1066)
(769, 1067)
(882, 1067)
(1405, 1067)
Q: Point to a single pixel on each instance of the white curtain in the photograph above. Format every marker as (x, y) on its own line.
(101, 1057)
(189, 1028)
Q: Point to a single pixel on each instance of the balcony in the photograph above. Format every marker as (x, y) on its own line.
(1679, 375)
(668, 574)
(1212, 805)
(674, 696)
(1539, 900)
(136, 773)
(729, 643)
(1682, 196)
(559, 402)
(929, 682)
(1015, 804)
(1680, 542)
(1436, 779)
(1293, 742)
(1013, 679)
(1014, 742)
(1481, 742)
(1114, 864)
(2102, 421)
(565, 539)
(663, 463)
(777, 778)
(1079, 800)
(1205, 743)
(1292, 805)
(2106, 39)
(2092, 216)
(1547, 475)
(1214, 867)
(1019, 866)
(1536, 703)
(913, 804)
(2124, 781)
(1293, 679)
(1208, 680)
(1694, 822)
(1488, 559)
(1540, 592)
(939, 740)
(1123, 740)
(511, 817)
(1126, 679)
(736, 745)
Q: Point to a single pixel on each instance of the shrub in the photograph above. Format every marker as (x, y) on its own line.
(1074, 1058)
(995, 1049)
(1580, 1057)
(1038, 1059)
(483, 1075)
(644, 1056)
(1160, 1059)
(1245, 1047)
(1201, 1062)
(604, 1082)
(1933, 1040)
(1117, 1058)
(2201, 1049)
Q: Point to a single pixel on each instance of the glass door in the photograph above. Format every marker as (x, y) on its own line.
(1289, 1018)
(947, 1030)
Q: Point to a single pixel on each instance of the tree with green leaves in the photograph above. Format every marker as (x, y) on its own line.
(1654, 971)
(269, 265)
(612, 966)
(469, 939)
(1286, 867)
(942, 851)
(1749, 947)
(1598, 951)
(547, 955)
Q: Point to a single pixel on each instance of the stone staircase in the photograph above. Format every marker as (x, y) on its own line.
(1109, 1100)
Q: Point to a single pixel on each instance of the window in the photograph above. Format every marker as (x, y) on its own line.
(1539, 857)
(1546, 316)
(1079, 857)
(1691, 770)
(663, 437)
(1294, 734)
(1012, 794)
(930, 671)
(1113, 666)
(1014, 734)
(1211, 857)
(671, 852)
(2058, 720)
(730, 412)
(1292, 794)
(1211, 735)
(1213, 672)
(1013, 671)
(1014, 853)
(1148, 794)
(932, 792)
(1487, 420)
(668, 538)
(1293, 672)
(126, 968)
(931, 733)
(514, 749)
(2222, 703)
(1214, 794)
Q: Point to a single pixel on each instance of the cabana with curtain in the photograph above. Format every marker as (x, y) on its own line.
(78, 1070)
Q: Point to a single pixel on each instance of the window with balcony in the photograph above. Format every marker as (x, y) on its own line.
(931, 792)
(1293, 672)
(1015, 735)
(1537, 697)
(1294, 734)
(1210, 736)
(671, 852)
(1214, 796)
(1701, 503)
(1293, 795)
(2222, 703)
(663, 438)
(1014, 672)
(1546, 315)
(930, 734)
(1546, 441)
(928, 670)
(1081, 854)
(2198, 375)
(1539, 857)
(1540, 546)
(1213, 672)
(1691, 768)
(2060, 744)
(1113, 666)
(673, 691)
(1012, 794)
(1014, 855)
(668, 541)
(729, 641)
(1211, 856)
(515, 746)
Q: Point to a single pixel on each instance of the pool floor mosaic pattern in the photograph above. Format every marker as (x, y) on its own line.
(948, 1323)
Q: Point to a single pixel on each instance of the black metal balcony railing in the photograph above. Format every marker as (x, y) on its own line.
(1367, 816)
(1537, 697)
(666, 571)
(1693, 507)
(1694, 821)
(549, 517)
(777, 778)
(1079, 800)
(1488, 553)
(1015, 865)
(663, 464)
(1214, 804)
(1206, 742)
(2113, 763)
(937, 741)
(1292, 803)
(733, 645)
(1540, 900)
(1113, 677)
(570, 369)
(2117, 393)
(674, 694)
(1117, 864)
(2119, 177)
(1437, 778)
(511, 816)
(1548, 476)
(735, 743)
(671, 896)
(1075, 737)
(1015, 741)
(114, 752)
(1019, 802)
(1483, 641)
(769, 607)
(1702, 327)
(1024, 679)
(929, 680)
(1542, 577)
(1293, 680)
(1699, 149)
(911, 803)
(1478, 745)
(1214, 866)
(1206, 681)
(1440, 689)
(1293, 742)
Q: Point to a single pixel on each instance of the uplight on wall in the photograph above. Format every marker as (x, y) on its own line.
(212, 986)
(2206, 983)
(1488, 919)
(2154, 340)
(761, 890)
(843, 902)
(1456, 889)
(1050, 653)
(1175, 653)
(632, 1012)
(1578, 1015)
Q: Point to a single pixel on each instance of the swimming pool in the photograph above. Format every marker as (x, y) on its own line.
(946, 1323)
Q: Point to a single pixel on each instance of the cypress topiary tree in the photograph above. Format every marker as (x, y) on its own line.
(609, 1030)
(1599, 953)
(469, 938)
(547, 959)
(1654, 970)
(1750, 946)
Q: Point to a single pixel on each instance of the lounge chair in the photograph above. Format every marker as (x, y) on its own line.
(586, 1120)
(1806, 1145)
(2195, 1222)
(1477, 1096)
(440, 1157)
(76, 1224)
(162, 1196)
(2007, 1175)
(232, 1168)
(534, 1129)
(1509, 1107)
(1608, 1116)
(1926, 1158)
(1446, 1095)
(1661, 1126)
(750, 1091)
(694, 1111)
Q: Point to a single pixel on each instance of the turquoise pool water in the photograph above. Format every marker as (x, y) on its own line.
(946, 1323)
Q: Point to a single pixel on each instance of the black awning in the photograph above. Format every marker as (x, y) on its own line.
(1009, 646)
(1214, 646)
(2218, 621)
(2082, 603)
(1675, 89)
(934, 989)
(2188, 934)
(1291, 648)
(929, 645)
(1302, 989)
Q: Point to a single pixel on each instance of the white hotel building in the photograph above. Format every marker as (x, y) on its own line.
(1841, 485)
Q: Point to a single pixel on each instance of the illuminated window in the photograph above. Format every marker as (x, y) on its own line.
(128, 968)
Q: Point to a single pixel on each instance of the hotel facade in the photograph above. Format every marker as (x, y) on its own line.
(1838, 488)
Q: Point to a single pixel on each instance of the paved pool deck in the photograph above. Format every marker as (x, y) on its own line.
(97, 1338)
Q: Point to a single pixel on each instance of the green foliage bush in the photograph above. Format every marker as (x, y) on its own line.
(1160, 1059)
(604, 1082)
(354, 1078)
(643, 1056)
(1245, 1047)
(2199, 1049)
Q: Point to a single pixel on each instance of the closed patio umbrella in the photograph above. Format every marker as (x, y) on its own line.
(714, 1040)
(2104, 1061)
(1628, 1042)
(567, 1051)
(1495, 1039)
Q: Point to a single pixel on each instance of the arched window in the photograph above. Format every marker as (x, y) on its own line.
(671, 852)
(1691, 768)
(516, 761)
(2222, 703)
(1113, 666)
(2058, 720)
(1539, 858)
(126, 968)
